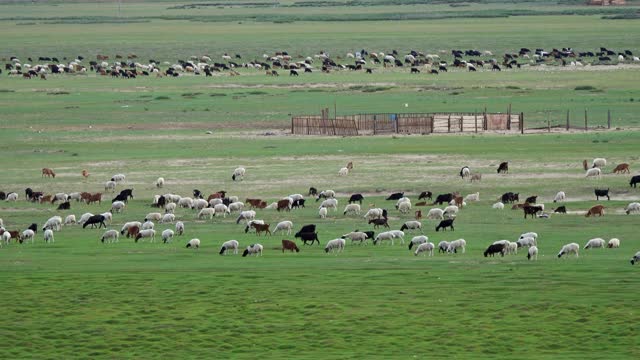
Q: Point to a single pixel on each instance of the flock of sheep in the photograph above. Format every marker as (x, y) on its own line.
(218, 204)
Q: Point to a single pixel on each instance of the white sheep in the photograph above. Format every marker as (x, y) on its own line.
(146, 233)
(238, 173)
(229, 245)
(375, 213)
(412, 225)
(12, 197)
(117, 206)
(404, 207)
(214, 202)
(499, 205)
(532, 253)
(6, 237)
(154, 216)
(167, 235)
(560, 196)
(343, 171)
(221, 209)
(108, 217)
(110, 236)
(613, 243)
(512, 248)
(443, 246)
(593, 172)
(387, 235)
(233, 199)
(170, 208)
(84, 218)
(159, 182)
(70, 219)
(527, 241)
(48, 236)
(435, 214)
(199, 204)
(599, 163)
(172, 198)
(168, 218)
(529, 234)
(398, 234)
(335, 245)
(110, 186)
(635, 258)
(272, 206)
(246, 215)
(504, 243)
(594, 243)
(194, 243)
(330, 203)
(450, 211)
(417, 240)
(236, 206)
(26, 235)
(322, 212)
(632, 207)
(253, 249)
(180, 228)
(473, 197)
(356, 236)
(1, 223)
(118, 178)
(206, 212)
(186, 202)
(352, 209)
(148, 225)
(296, 197)
(282, 226)
(571, 248)
(401, 200)
(54, 223)
(457, 244)
(327, 194)
(61, 197)
(425, 248)
(75, 196)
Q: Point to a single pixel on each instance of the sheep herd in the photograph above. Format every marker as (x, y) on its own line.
(219, 204)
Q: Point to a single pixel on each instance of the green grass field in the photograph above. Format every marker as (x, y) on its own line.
(79, 298)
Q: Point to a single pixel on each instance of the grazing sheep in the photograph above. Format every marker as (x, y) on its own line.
(26, 235)
(253, 249)
(498, 205)
(70, 219)
(473, 197)
(632, 207)
(398, 234)
(387, 235)
(236, 206)
(635, 258)
(512, 248)
(322, 212)
(180, 228)
(571, 248)
(193, 243)
(527, 241)
(117, 206)
(6, 237)
(168, 218)
(283, 225)
(352, 209)
(167, 235)
(330, 203)
(110, 236)
(443, 246)
(404, 207)
(560, 196)
(444, 224)
(199, 204)
(118, 178)
(54, 223)
(229, 245)
(206, 212)
(110, 186)
(599, 163)
(457, 244)
(148, 225)
(435, 214)
(465, 172)
(153, 217)
(247, 216)
(170, 208)
(613, 243)
(529, 234)
(426, 247)
(108, 217)
(12, 197)
(594, 172)
(148, 233)
(494, 249)
(412, 225)
(326, 194)
(594, 243)
(532, 253)
(48, 236)
(126, 226)
(450, 211)
(335, 245)
(185, 202)
(417, 240)
(375, 213)
(356, 236)
(238, 173)
(343, 171)
(160, 182)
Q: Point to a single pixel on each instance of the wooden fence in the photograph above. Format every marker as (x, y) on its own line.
(407, 123)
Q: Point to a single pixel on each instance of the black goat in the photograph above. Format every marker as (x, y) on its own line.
(356, 197)
(601, 192)
(494, 249)
(444, 224)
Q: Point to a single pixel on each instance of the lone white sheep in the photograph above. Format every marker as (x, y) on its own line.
(404, 207)
(594, 172)
(54, 223)
(70, 219)
(632, 208)
(599, 163)
(147, 233)
(110, 236)
(155, 216)
(110, 186)
(228, 246)
(238, 173)
(180, 228)
(206, 212)
(498, 205)
(425, 248)
(322, 212)
(435, 214)
(48, 236)
(168, 218)
(532, 253)
(193, 243)
(167, 235)
(473, 197)
(387, 235)
(118, 178)
(160, 182)
(236, 206)
(343, 171)
(571, 248)
(352, 209)
(356, 236)
(6, 237)
(335, 245)
(594, 243)
(613, 243)
(560, 196)
(12, 197)
(117, 206)
(282, 226)
(253, 249)
(412, 225)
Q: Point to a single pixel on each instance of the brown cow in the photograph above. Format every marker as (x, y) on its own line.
(289, 245)
(284, 205)
(621, 169)
(595, 210)
(48, 172)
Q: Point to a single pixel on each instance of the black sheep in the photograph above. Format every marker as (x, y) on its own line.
(444, 224)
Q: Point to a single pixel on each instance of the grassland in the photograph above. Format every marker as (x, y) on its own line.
(78, 298)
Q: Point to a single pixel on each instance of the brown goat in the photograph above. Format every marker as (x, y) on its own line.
(595, 210)
(621, 169)
(48, 172)
(133, 231)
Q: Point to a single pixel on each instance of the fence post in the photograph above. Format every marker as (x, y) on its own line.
(609, 119)
(449, 124)
(395, 116)
(585, 120)
(432, 123)
(522, 123)
(568, 120)
(548, 123)
(476, 118)
(509, 117)
(461, 123)
(374, 125)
